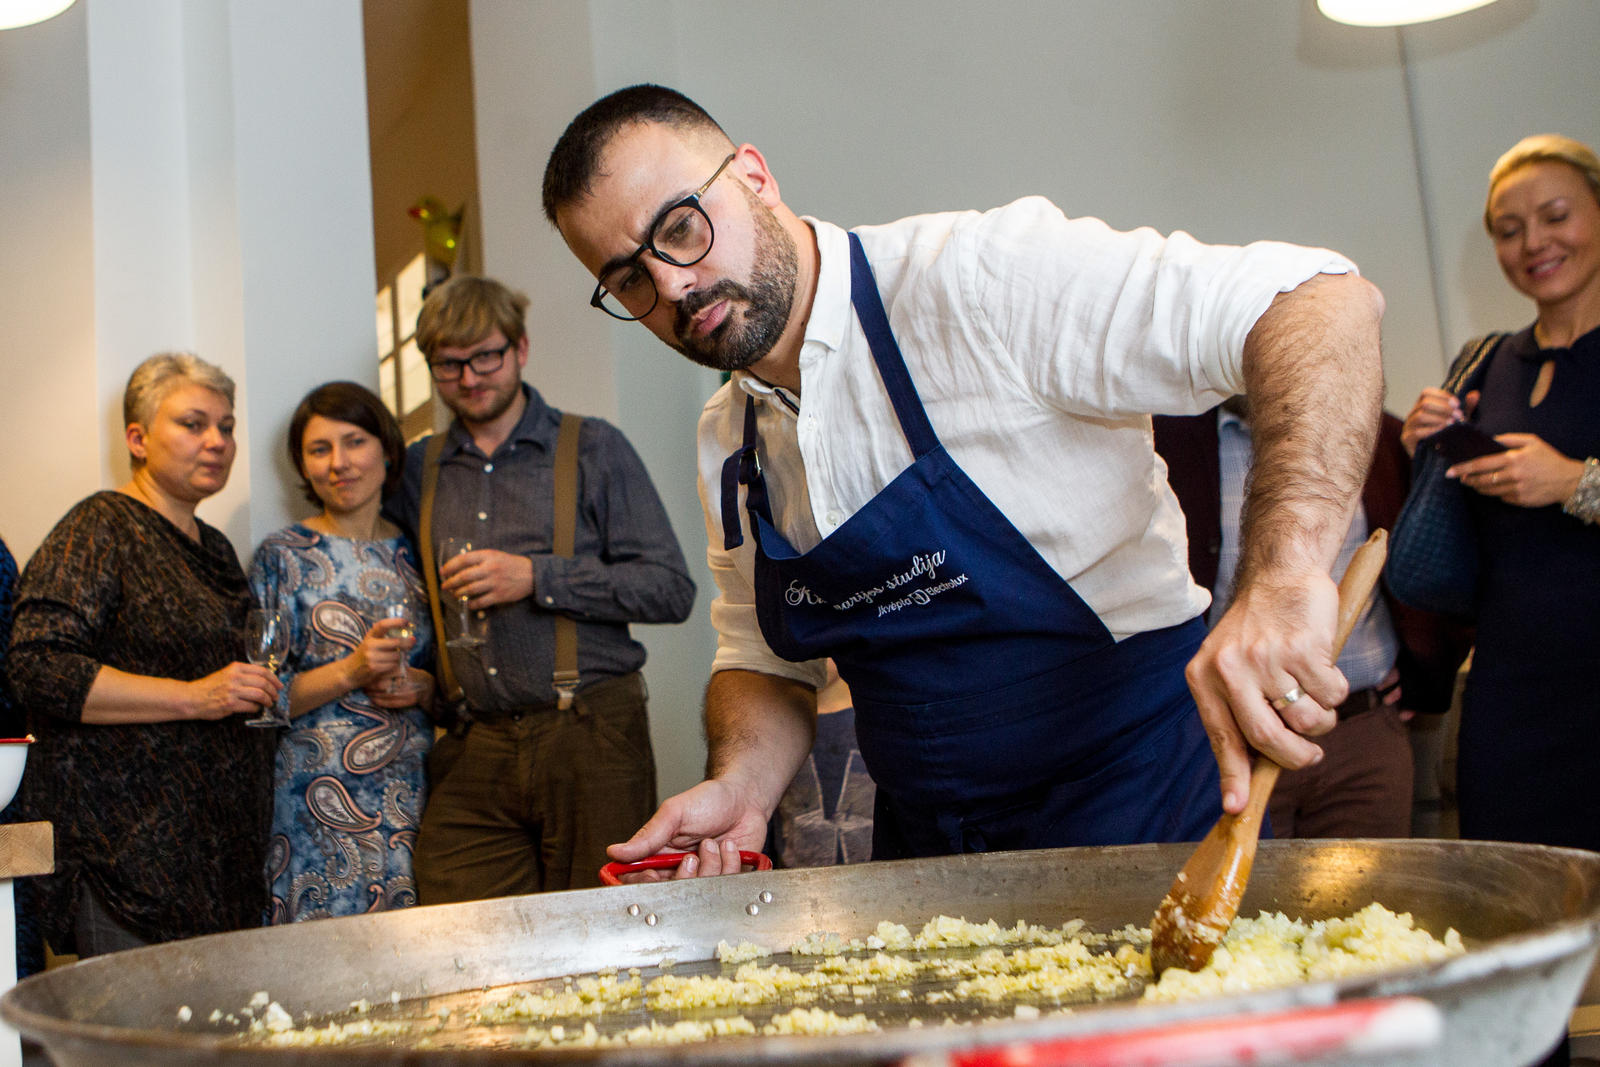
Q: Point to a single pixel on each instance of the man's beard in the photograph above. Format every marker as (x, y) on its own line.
(500, 403)
(758, 312)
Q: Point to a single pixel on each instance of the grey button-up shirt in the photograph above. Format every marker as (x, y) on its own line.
(626, 565)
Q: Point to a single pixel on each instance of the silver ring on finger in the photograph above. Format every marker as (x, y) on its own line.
(1281, 703)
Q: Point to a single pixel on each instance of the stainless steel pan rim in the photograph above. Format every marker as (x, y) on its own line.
(1530, 915)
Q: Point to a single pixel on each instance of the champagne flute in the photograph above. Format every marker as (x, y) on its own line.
(449, 549)
(267, 643)
(400, 608)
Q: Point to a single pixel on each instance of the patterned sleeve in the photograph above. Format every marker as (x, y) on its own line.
(69, 592)
(269, 585)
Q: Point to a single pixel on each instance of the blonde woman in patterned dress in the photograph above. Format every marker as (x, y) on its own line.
(351, 774)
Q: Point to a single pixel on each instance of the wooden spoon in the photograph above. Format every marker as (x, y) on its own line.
(1205, 896)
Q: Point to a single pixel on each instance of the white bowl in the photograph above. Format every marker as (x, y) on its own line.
(13, 757)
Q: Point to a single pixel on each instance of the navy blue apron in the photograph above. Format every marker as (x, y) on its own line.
(993, 707)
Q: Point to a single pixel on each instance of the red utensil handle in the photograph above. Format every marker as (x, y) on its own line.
(1358, 1029)
(611, 873)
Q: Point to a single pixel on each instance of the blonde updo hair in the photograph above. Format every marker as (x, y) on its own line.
(159, 375)
(1545, 148)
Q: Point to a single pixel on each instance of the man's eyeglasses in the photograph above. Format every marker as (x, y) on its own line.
(681, 236)
(485, 362)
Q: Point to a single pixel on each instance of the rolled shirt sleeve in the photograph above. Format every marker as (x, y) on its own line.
(1103, 323)
(638, 573)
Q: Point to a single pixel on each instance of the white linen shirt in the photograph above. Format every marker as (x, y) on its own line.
(1040, 346)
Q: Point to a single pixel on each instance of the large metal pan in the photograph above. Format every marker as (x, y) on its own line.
(1529, 914)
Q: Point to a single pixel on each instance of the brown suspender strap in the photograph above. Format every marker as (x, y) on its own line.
(563, 541)
(565, 679)
(429, 565)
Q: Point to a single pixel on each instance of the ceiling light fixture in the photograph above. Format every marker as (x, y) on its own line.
(14, 13)
(1394, 12)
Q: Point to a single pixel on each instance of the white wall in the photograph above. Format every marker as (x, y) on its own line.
(184, 174)
(1236, 121)
(1515, 68)
(1255, 118)
(304, 195)
(50, 418)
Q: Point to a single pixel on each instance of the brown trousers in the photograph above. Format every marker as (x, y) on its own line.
(1362, 787)
(529, 803)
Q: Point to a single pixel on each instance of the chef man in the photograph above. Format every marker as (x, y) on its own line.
(933, 464)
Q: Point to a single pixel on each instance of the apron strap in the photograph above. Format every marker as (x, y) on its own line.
(430, 565)
(565, 680)
(886, 353)
(743, 467)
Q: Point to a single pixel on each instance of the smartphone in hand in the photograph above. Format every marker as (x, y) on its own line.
(1461, 441)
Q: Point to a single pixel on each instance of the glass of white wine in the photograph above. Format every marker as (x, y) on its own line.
(449, 549)
(400, 608)
(267, 644)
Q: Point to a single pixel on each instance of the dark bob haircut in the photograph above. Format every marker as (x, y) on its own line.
(359, 406)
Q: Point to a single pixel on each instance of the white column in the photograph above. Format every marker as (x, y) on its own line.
(304, 211)
(143, 301)
(570, 351)
(50, 419)
(232, 216)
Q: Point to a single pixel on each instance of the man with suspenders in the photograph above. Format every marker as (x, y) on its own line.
(547, 758)
(933, 464)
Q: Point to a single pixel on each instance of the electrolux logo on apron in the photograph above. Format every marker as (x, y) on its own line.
(923, 565)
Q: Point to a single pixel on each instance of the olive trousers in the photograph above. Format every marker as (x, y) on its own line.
(528, 802)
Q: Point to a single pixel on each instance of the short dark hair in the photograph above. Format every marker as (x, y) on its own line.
(576, 157)
(359, 406)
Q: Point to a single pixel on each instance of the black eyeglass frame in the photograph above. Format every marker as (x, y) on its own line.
(453, 367)
(649, 245)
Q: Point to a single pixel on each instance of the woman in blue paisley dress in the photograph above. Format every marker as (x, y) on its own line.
(351, 775)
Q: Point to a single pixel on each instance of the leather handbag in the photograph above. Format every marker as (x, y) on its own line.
(1433, 548)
